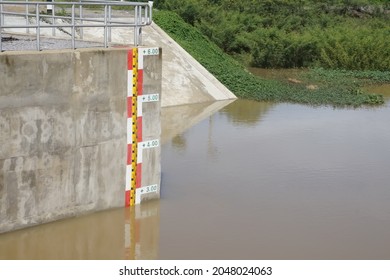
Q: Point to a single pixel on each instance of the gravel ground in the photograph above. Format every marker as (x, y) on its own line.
(20, 42)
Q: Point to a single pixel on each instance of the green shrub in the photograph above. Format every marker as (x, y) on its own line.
(245, 85)
(348, 34)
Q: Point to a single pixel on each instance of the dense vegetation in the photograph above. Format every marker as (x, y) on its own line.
(344, 43)
(338, 88)
(348, 34)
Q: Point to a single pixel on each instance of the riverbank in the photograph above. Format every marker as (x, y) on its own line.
(318, 86)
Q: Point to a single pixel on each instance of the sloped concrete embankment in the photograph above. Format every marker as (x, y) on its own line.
(62, 134)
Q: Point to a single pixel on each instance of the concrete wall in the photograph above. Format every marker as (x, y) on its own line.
(62, 134)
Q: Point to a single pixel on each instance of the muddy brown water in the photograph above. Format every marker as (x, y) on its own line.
(252, 181)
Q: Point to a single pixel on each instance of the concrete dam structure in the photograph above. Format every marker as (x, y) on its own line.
(74, 137)
(63, 133)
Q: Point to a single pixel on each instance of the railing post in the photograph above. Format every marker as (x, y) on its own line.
(1, 26)
(53, 21)
(81, 20)
(140, 27)
(109, 23)
(27, 19)
(73, 29)
(136, 26)
(1, 14)
(150, 12)
(38, 30)
(105, 26)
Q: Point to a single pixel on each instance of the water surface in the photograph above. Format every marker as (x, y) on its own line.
(253, 181)
(264, 181)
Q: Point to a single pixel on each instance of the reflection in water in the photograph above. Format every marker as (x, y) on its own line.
(246, 112)
(179, 142)
(298, 183)
(114, 234)
(177, 119)
(212, 149)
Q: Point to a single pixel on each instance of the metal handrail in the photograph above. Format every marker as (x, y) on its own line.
(141, 16)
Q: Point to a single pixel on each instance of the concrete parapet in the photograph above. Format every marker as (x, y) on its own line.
(62, 134)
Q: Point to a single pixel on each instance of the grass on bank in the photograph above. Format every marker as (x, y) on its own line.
(345, 34)
(334, 88)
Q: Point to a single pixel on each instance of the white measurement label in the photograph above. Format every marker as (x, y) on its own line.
(146, 145)
(150, 51)
(150, 97)
(144, 190)
(148, 189)
(149, 144)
